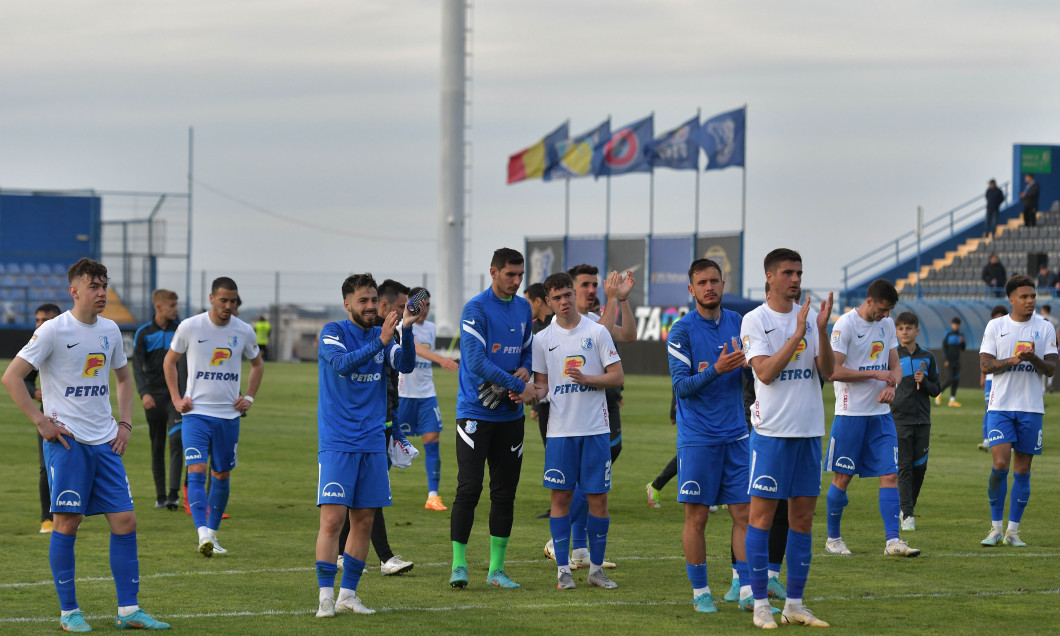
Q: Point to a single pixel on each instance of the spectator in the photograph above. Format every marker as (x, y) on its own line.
(994, 198)
(1047, 313)
(994, 274)
(262, 329)
(1030, 200)
(1047, 279)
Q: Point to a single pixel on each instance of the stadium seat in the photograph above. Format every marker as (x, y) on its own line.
(13, 268)
(29, 268)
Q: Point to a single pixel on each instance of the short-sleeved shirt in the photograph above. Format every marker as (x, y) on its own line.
(1019, 387)
(419, 383)
(867, 347)
(791, 405)
(75, 360)
(577, 410)
(215, 361)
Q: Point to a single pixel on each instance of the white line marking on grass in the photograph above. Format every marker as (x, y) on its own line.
(986, 554)
(538, 606)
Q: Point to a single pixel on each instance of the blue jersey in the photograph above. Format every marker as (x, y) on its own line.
(351, 410)
(709, 405)
(494, 341)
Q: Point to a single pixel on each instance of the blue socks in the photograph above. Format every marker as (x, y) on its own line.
(125, 567)
(351, 572)
(743, 572)
(432, 462)
(326, 574)
(889, 509)
(798, 555)
(560, 527)
(218, 500)
(758, 561)
(1021, 493)
(579, 512)
(996, 491)
(597, 530)
(197, 498)
(697, 575)
(837, 500)
(61, 558)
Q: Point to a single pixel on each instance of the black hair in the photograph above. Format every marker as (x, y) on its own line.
(49, 308)
(559, 280)
(354, 282)
(882, 289)
(389, 290)
(506, 256)
(778, 256)
(223, 282)
(701, 264)
(1017, 281)
(907, 318)
(536, 292)
(584, 268)
(86, 267)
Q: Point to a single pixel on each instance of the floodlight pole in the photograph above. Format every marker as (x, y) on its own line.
(449, 296)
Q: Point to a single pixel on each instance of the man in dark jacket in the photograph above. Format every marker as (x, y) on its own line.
(952, 345)
(994, 198)
(994, 275)
(1030, 200)
(911, 410)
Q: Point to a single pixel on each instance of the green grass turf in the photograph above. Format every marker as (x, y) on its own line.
(266, 584)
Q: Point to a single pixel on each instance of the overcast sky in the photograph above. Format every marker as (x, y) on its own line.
(328, 111)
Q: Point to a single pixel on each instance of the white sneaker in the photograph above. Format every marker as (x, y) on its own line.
(395, 566)
(837, 546)
(579, 558)
(897, 547)
(352, 604)
(908, 523)
(763, 618)
(801, 616)
(217, 549)
(327, 608)
(984, 446)
(205, 545)
(338, 563)
(550, 550)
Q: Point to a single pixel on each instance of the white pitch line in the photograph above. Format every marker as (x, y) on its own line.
(963, 555)
(538, 606)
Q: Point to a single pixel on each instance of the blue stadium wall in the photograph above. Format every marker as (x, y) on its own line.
(49, 227)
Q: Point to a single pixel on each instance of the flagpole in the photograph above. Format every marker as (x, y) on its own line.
(696, 224)
(743, 202)
(566, 206)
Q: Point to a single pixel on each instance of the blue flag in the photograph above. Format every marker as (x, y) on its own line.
(626, 150)
(722, 139)
(574, 157)
(677, 149)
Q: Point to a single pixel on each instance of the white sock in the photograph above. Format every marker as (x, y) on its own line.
(432, 493)
(953, 399)
(66, 613)
(563, 569)
(204, 532)
(1013, 527)
(126, 610)
(345, 593)
(890, 541)
(735, 574)
(580, 553)
(700, 591)
(995, 525)
(745, 591)
(773, 574)
(594, 568)
(327, 593)
(761, 602)
(792, 604)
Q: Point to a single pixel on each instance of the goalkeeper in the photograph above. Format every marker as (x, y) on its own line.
(495, 337)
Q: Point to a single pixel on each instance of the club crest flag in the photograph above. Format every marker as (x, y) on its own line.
(575, 156)
(626, 150)
(722, 139)
(677, 149)
(533, 162)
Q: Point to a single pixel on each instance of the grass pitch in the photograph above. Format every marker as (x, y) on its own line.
(267, 584)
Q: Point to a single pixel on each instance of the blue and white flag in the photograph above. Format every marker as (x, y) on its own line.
(722, 138)
(626, 150)
(677, 149)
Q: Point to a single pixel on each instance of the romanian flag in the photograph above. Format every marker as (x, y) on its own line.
(531, 163)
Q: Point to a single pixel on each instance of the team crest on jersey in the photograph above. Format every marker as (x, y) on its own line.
(798, 350)
(572, 362)
(835, 336)
(219, 356)
(233, 342)
(93, 363)
(587, 344)
(703, 366)
(875, 350)
(379, 358)
(1022, 346)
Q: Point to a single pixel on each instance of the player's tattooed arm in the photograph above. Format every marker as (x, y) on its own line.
(1046, 366)
(989, 364)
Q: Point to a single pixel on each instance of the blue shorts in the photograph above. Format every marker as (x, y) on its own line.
(417, 416)
(86, 480)
(1021, 429)
(714, 475)
(584, 461)
(865, 445)
(783, 467)
(354, 480)
(214, 436)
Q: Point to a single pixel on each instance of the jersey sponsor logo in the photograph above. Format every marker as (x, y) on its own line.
(764, 483)
(690, 488)
(333, 489)
(571, 363)
(555, 476)
(499, 348)
(217, 375)
(365, 377)
(795, 374)
(835, 336)
(703, 366)
(89, 390)
(94, 362)
(995, 436)
(563, 389)
(799, 348)
(219, 356)
(587, 344)
(845, 463)
(496, 347)
(1038, 446)
(875, 350)
(470, 427)
(68, 499)
(192, 453)
(1021, 346)
(422, 366)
